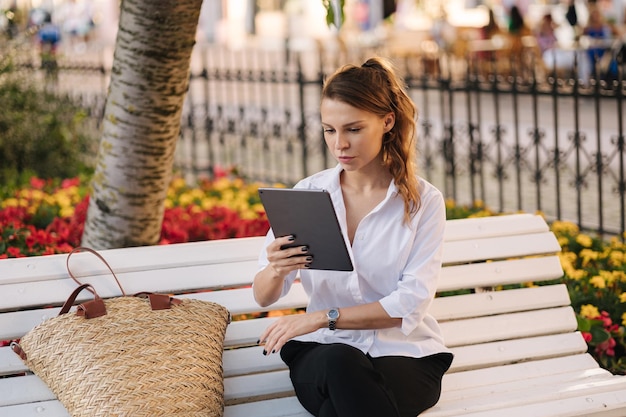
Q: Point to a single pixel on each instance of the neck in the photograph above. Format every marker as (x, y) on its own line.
(372, 179)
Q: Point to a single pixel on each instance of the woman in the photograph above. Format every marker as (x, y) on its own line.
(367, 345)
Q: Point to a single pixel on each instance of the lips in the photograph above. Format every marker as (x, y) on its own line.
(345, 158)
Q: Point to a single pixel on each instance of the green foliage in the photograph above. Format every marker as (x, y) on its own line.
(332, 8)
(42, 134)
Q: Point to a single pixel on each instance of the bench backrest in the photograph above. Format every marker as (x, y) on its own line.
(483, 327)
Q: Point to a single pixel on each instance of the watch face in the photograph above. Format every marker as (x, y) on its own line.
(333, 314)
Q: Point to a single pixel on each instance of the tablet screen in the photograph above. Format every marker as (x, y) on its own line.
(309, 216)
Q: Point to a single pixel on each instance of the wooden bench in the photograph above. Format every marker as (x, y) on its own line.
(517, 351)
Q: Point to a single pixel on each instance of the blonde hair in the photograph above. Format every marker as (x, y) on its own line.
(376, 88)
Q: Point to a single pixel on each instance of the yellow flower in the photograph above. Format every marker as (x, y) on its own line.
(196, 194)
(622, 297)
(587, 255)
(584, 241)
(66, 211)
(616, 258)
(63, 201)
(10, 202)
(177, 183)
(609, 276)
(248, 214)
(571, 271)
(228, 196)
(559, 226)
(589, 311)
(185, 199)
(598, 282)
(238, 183)
(221, 184)
(207, 203)
(624, 319)
(562, 241)
(618, 276)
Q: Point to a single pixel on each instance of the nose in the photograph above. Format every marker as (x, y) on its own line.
(340, 142)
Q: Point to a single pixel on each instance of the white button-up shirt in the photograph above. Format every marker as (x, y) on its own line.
(395, 264)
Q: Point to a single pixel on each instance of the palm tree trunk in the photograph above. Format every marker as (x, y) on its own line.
(149, 80)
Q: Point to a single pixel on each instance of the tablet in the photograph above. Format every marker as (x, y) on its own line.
(309, 216)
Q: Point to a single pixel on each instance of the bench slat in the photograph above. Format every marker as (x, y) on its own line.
(38, 409)
(10, 363)
(144, 258)
(491, 274)
(519, 397)
(483, 227)
(513, 351)
(497, 302)
(605, 404)
(250, 361)
(280, 407)
(24, 389)
(257, 386)
(508, 326)
(530, 369)
(55, 292)
(501, 247)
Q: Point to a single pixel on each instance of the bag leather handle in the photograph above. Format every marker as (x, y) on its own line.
(96, 307)
(86, 249)
(89, 309)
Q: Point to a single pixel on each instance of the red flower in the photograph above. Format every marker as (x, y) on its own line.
(37, 183)
(15, 252)
(70, 182)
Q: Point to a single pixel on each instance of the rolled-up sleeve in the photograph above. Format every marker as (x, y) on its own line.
(418, 284)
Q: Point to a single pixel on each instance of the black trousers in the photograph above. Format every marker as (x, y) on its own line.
(337, 380)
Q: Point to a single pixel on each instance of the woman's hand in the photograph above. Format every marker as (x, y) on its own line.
(268, 283)
(283, 261)
(287, 327)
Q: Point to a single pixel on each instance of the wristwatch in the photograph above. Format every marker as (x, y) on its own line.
(332, 315)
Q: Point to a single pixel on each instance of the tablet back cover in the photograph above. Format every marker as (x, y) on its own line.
(309, 216)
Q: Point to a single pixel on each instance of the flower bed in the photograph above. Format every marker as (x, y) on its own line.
(48, 217)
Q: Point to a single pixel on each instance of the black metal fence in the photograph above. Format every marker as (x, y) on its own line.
(528, 141)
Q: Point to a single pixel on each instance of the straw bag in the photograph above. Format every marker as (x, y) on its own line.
(143, 355)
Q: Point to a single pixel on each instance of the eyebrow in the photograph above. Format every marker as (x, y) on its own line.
(346, 125)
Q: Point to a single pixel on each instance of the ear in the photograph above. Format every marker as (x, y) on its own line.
(389, 121)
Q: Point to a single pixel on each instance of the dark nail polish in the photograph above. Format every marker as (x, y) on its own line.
(292, 238)
(305, 248)
(308, 258)
(264, 352)
(258, 341)
(273, 351)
